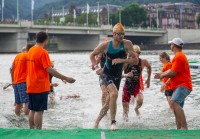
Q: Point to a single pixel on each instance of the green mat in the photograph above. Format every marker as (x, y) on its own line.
(98, 134)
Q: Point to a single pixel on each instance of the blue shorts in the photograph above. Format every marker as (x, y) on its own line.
(38, 102)
(179, 95)
(20, 93)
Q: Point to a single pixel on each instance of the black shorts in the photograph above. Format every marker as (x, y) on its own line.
(168, 92)
(107, 79)
(38, 102)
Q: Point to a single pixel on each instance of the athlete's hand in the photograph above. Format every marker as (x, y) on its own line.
(116, 61)
(98, 71)
(130, 74)
(147, 82)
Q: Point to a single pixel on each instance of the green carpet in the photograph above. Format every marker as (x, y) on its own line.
(96, 134)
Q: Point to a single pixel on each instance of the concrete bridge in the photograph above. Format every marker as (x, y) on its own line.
(70, 38)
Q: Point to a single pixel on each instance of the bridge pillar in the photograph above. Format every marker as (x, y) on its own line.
(21, 40)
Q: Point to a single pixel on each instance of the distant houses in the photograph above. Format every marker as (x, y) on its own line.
(168, 15)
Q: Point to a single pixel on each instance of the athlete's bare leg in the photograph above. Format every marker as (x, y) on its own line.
(104, 94)
(125, 110)
(139, 102)
(103, 111)
(113, 104)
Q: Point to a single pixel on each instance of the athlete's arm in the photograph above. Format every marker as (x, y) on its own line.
(101, 48)
(56, 74)
(133, 58)
(146, 64)
(129, 49)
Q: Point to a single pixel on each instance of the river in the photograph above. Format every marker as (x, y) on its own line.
(81, 113)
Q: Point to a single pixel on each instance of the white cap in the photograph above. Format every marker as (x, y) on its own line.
(178, 41)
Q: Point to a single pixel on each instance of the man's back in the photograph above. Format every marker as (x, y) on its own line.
(181, 66)
(20, 68)
(38, 77)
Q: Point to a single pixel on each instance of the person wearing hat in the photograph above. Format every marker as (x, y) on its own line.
(116, 55)
(134, 83)
(181, 82)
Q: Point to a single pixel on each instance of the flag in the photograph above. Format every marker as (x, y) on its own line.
(32, 4)
(88, 8)
(74, 13)
(2, 3)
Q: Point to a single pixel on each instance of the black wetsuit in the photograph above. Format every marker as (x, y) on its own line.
(131, 82)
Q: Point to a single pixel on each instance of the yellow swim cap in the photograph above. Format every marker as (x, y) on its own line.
(136, 48)
(118, 28)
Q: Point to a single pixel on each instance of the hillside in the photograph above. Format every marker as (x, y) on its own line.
(10, 8)
(43, 7)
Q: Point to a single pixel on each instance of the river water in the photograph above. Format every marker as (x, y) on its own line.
(81, 113)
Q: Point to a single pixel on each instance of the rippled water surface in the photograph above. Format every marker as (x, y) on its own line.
(81, 113)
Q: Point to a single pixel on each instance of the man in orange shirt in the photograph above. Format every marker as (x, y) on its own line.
(18, 75)
(181, 82)
(38, 84)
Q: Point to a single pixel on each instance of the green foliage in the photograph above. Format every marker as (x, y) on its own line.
(131, 15)
(198, 20)
(82, 19)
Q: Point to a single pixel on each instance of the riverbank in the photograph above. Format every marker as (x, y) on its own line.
(98, 134)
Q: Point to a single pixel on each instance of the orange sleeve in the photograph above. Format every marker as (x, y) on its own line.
(177, 65)
(45, 60)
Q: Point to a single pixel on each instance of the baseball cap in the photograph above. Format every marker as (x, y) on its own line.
(178, 41)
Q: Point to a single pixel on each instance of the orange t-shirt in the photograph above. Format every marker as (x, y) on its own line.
(165, 67)
(38, 78)
(181, 66)
(20, 68)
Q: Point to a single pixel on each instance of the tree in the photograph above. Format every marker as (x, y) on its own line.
(69, 18)
(92, 19)
(133, 15)
(198, 20)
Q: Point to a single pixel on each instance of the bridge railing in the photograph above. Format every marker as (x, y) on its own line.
(55, 24)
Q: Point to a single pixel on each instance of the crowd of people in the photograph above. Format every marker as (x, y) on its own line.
(32, 72)
(120, 55)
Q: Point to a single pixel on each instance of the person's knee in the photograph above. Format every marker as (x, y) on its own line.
(173, 103)
(113, 95)
(139, 98)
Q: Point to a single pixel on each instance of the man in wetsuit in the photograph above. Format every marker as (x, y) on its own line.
(116, 52)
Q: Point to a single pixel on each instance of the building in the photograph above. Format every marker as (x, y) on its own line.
(172, 15)
(101, 11)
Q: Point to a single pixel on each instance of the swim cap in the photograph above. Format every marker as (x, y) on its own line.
(136, 48)
(118, 28)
